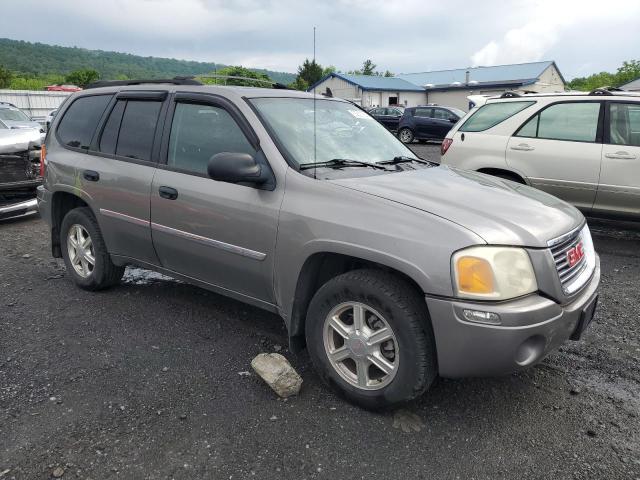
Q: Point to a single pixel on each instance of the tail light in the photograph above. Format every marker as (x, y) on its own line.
(446, 143)
(43, 160)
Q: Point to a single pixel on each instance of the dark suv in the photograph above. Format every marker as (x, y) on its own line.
(429, 122)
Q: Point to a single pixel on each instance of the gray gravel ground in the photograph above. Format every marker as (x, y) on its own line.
(147, 380)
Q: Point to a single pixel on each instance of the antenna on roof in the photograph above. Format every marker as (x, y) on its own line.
(315, 154)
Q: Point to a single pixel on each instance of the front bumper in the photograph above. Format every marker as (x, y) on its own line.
(531, 328)
(19, 209)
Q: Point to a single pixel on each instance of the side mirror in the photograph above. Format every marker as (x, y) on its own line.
(453, 119)
(236, 168)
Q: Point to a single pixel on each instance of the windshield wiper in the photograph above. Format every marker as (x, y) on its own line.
(339, 163)
(403, 159)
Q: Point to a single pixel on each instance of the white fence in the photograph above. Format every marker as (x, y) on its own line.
(35, 103)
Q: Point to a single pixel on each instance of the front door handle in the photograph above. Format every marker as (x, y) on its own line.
(91, 175)
(168, 193)
(620, 155)
(523, 146)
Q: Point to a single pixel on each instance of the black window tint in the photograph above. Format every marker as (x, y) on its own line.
(423, 112)
(81, 119)
(109, 136)
(137, 129)
(199, 132)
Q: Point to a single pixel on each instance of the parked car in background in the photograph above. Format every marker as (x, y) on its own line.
(428, 122)
(390, 269)
(388, 116)
(19, 170)
(15, 118)
(581, 147)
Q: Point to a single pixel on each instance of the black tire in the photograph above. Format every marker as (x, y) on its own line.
(105, 274)
(409, 135)
(405, 312)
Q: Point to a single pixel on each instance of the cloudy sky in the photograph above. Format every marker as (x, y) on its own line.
(402, 36)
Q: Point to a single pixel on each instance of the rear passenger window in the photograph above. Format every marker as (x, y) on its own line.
(199, 132)
(81, 119)
(137, 129)
(109, 136)
(574, 121)
(491, 114)
(423, 112)
(624, 124)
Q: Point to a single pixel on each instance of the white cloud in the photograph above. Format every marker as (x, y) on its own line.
(549, 21)
(527, 44)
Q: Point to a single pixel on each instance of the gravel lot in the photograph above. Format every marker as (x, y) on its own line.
(151, 380)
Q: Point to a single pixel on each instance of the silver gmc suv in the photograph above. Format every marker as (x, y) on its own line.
(390, 269)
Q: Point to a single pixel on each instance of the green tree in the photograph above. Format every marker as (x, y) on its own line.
(368, 67)
(6, 76)
(83, 77)
(237, 71)
(627, 72)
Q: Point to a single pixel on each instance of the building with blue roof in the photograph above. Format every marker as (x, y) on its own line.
(444, 87)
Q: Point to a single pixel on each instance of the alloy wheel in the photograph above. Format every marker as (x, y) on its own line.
(361, 346)
(80, 249)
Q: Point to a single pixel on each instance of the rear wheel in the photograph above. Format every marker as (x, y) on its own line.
(85, 253)
(406, 135)
(369, 337)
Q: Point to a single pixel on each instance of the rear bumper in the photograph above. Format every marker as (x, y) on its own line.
(530, 329)
(19, 209)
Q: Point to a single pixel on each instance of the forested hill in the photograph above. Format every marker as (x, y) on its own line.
(39, 59)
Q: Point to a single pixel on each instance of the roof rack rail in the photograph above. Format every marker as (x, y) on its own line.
(510, 94)
(120, 83)
(276, 85)
(605, 91)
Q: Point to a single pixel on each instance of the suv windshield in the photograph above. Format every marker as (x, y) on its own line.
(13, 115)
(342, 130)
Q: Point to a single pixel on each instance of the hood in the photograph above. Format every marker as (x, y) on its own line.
(23, 124)
(500, 211)
(18, 140)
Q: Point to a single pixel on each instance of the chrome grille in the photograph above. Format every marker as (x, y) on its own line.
(560, 249)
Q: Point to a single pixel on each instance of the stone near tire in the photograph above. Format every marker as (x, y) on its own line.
(85, 253)
(369, 336)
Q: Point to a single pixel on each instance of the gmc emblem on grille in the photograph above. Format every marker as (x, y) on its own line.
(575, 254)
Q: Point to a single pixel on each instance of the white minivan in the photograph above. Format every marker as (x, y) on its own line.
(581, 147)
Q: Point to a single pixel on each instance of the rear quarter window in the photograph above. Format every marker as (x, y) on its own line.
(491, 114)
(81, 120)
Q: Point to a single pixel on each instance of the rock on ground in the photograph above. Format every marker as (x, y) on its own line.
(274, 369)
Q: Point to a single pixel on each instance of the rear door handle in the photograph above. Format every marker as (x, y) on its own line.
(91, 175)
(620, 155)
(168, 193)
(523, 146)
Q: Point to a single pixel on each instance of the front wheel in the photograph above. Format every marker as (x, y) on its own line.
(406, 135)
(369, 337)
(85, 253)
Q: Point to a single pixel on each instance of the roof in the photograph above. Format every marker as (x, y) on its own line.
(373, 83)
(632, 85)
(498, 75)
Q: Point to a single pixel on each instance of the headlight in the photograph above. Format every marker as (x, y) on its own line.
(493, 273)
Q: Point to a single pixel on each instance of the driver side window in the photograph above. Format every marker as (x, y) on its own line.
(199, 132)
